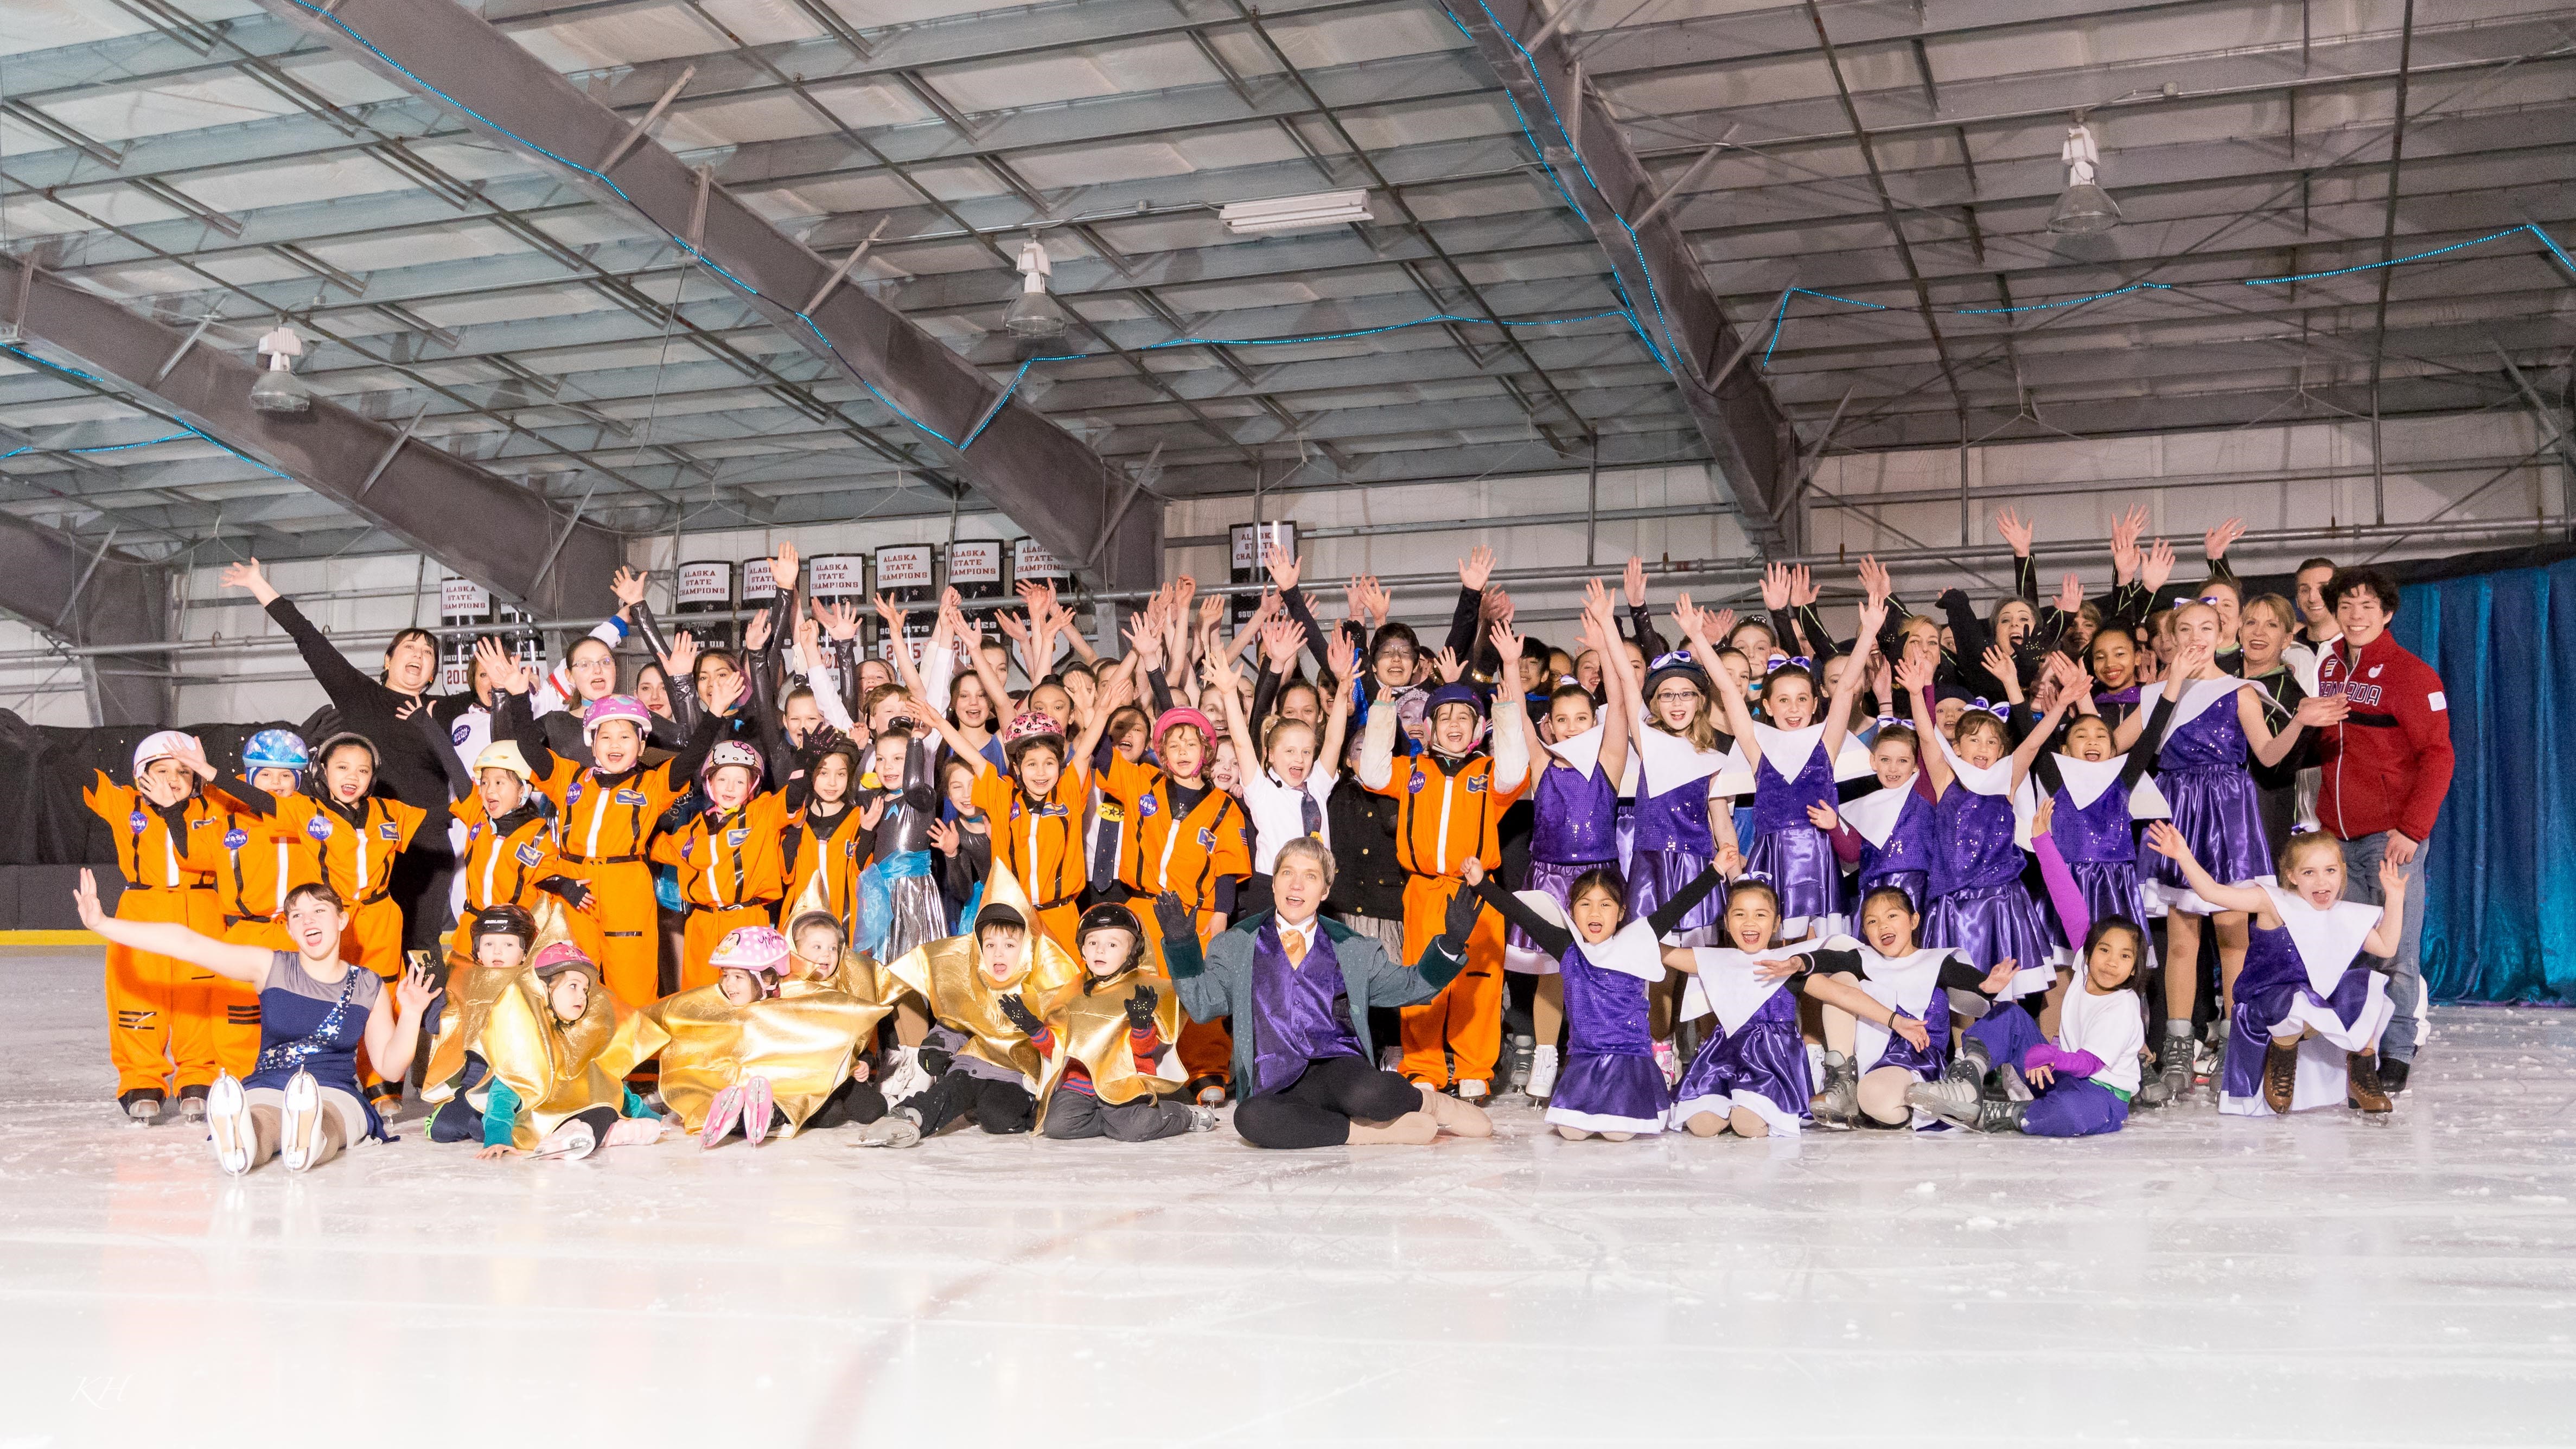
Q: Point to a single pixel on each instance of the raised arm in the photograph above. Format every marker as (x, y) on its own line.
(1117, 688)
(1640, 618)
(1618, 688)
(1511, 719)
(339, 678)
(2168, 842)
(1228, 688)
(1340, 657)
(1698, 626)
(2390, 933)
(1917, 679)
(169, 938)
(1469, 611)
(910, 673)
(2046, 730)
(1838, 709)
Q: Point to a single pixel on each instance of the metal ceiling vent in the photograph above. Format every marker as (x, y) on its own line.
(1294, 213)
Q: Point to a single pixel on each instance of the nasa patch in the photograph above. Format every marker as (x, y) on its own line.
(1015, 810)
(318, 828)
(1146, 806)
(236, 839)
(462, 734)
(573, 795)
(137, 820)
(1414, 785)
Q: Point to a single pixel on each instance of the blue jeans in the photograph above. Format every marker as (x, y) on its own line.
(2406, 968)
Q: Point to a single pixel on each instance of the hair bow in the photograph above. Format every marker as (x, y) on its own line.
(2209, 599)
(1802, 661)
(1886, 720)
(1999, 711)
(1764, 876)
(1677, 659)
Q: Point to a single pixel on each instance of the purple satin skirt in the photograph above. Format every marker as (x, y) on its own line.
(2249, 1032)
(1610, 1092)
(1656, 876)
(2220, 814)
(1992, 924)
(2110, 888)
(1765, 1058)
(1799, 859)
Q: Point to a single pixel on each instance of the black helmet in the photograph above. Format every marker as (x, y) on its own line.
(1000, 914)
(1111, 916)
(505, 920)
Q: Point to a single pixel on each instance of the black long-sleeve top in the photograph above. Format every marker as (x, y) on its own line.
(415, 760)
(1556, 940)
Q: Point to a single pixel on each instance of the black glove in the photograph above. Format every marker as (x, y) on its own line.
(1021, 1017)
(1464, 907)
(571, 892)
(933, 1060)
(1140, 1008)
(1175, 920)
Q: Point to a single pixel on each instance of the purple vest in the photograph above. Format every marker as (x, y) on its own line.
(2098, 832)
(1976, 835)
(2212, 739)
(1296, 1013)
(1780, 802)
(1909, 846)
(1676, 820)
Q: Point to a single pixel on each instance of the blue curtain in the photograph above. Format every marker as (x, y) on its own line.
(2501, 917)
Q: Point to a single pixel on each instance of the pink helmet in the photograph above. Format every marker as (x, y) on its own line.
(1184, 716)
(758, 949)
(734, 752)
(559, 957)
(616, 706)
(1030, 727)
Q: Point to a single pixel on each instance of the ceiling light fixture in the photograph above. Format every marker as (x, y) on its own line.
(1294, 213)
(279, 390)
(2085, 208)
(1033, 313)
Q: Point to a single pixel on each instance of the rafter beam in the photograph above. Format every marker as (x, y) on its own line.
(90, 593)
(1023, 464)
(1743, 427)
(478, 523)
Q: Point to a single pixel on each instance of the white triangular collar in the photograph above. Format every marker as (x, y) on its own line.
(2196, 699)
(1875, 815)
(1727, 984)
(1634, 950)
(2328, 940)
(1583, 751)
(1994, 779)
(2085, 780)
(1668, 762)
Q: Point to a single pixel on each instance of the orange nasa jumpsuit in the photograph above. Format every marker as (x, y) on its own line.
(502, 864)
(157, 1006)
(1038, 842)
(1441, 820)
(358, 849)
(1187, 856)
(730, 874)
(604, 826)
(266, 850)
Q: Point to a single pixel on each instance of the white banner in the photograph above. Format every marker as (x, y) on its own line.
(904, 566)
(837, 576)
(462, 599)
(1031, 560)
(975, 561)
(707, 582)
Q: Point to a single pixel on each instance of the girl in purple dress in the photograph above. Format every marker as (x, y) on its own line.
(1796, 760)
(1676, 834)
(1751, 1077)
(2216, 721)
(1611, 1085)
(2096, 794)
(1574, 815)
(2304, 1030)
(1871, 1059)
(1979, 905)
(1888, 832)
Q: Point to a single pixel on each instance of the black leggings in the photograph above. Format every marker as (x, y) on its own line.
(1318, 1108)
(1000, 1108)
(850, 1102)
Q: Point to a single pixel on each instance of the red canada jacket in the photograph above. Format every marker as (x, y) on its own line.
(2388, 765)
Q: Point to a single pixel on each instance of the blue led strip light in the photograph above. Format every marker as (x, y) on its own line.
(1780, 320)
(188, 430)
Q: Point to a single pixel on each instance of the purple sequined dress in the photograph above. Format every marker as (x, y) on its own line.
(1905, 861)
(1788, 848)
(1756, 1059)
(1574, 815)
(1671, 848)
(2202, 770)
(1609, 1082)
(2101, 852)
(1979, 906)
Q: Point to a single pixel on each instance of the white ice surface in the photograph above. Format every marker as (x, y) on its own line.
(2189, 1281)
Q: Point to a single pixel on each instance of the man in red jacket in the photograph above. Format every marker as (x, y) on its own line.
(2384, 772)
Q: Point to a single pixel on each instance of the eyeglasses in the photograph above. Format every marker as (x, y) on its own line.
(1676, 696)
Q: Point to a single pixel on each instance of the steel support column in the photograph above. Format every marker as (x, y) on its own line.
(94, 595)
(1041, 476)
(1742, 424)
(482, 525)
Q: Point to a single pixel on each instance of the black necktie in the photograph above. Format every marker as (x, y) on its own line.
(1309, 813)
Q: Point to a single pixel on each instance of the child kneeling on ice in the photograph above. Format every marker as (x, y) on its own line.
(571, 984)
(1106, 1039)
(2085, 1080)
(983, 1064)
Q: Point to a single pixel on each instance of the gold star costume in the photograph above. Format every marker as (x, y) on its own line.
(964, 997)
(802, 1040)
(1089, 1019)
(557, 1069)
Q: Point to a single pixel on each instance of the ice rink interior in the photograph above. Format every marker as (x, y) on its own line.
(2189, 1280)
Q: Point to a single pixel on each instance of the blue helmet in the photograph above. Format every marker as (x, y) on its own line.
(276, 750)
